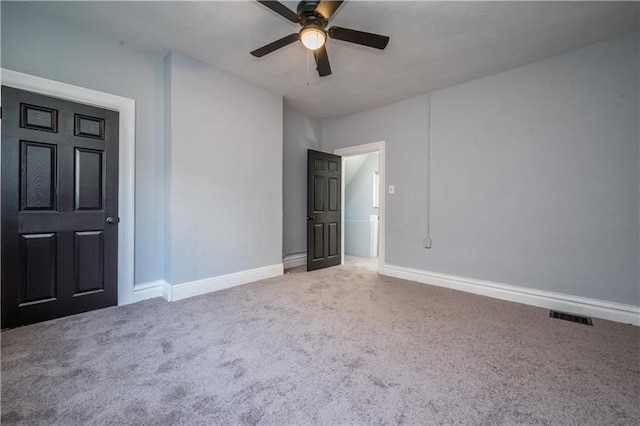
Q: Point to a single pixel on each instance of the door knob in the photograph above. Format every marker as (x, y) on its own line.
(112, 220)
(311, 218)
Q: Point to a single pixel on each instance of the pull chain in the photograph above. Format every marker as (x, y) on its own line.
(308, 65)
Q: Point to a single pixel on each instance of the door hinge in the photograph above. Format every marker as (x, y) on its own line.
(0, 113)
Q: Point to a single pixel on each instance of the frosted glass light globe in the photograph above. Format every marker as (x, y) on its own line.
(312, 38)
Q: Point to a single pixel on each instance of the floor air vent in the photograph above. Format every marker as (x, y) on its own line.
(571, 317)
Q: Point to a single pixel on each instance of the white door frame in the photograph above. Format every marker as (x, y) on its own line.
(359, 150)
(126, 168)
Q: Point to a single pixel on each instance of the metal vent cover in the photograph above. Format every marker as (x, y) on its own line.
(571, 317)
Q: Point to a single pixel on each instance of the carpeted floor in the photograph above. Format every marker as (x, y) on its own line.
(336, 346)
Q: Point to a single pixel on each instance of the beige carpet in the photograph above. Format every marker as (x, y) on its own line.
(335, 346)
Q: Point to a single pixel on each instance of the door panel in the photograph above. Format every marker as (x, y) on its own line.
(88, 179)
(38, 118)
(38, 176)
(89, 127)
(318, 193)
(89, 261)
(333, 239)
(59, 184)
(333, 194)
(38, 275)
(323, 210)
(318, 241)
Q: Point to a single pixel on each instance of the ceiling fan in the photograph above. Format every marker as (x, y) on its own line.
(313, 17)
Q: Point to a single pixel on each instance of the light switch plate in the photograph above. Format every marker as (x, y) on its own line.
(392, 189)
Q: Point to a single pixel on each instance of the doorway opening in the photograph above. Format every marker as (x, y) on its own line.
(363, 203)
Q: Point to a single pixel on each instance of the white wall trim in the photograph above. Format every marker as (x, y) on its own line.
(208, 285)
(151, 289)
(294, 259)
(612, 311)
(172, 293)
(126, 180)
(367, 148)
(374, 228)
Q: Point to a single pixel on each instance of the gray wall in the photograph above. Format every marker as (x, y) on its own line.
(534, 174)
(301, 133)
(225, 182)
(358, 200)
(404, 128)
(198, 195)
(42, 46)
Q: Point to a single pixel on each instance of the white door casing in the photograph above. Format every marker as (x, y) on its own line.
(368, 148)
(126, 173)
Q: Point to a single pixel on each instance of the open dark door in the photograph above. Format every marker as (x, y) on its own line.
(59, 207)
(324, 177)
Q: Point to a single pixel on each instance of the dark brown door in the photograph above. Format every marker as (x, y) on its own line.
(59, 207)
(324, 177)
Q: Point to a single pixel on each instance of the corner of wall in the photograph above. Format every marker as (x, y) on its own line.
(637, 39)
(166, 119)
(300, 133)
(320, 134)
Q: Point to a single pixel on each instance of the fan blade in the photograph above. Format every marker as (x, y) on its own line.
(281, 10)
(327, 8)
(284, 41)
(359, 37)
(322, 61)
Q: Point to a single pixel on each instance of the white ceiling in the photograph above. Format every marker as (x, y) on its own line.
(433, 44)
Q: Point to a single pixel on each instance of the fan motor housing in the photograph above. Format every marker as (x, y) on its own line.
(308, 15)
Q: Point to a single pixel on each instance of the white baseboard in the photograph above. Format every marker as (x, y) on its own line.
(171, 293)
(166, 291)
(208, 285)
(612, 311)
(295, 259)
(151, 289)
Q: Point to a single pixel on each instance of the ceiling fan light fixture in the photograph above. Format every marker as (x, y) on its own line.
(313, 37)
(313, 16)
